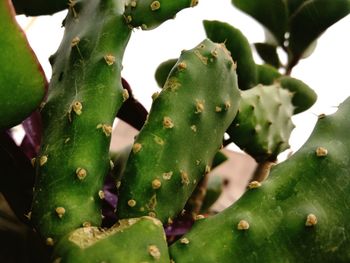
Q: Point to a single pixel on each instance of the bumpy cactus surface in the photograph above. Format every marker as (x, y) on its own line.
(132, 240)
(22, 81)
(297, 215)
(263, 124)
(84, 95)
(198, 102)
(240, 50)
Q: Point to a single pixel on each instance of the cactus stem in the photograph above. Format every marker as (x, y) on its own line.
(262, 171)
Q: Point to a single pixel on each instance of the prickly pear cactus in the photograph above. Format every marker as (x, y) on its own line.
(240, 50)
(22, 80)
(149, 14)
(297, 215)
(263, 124)
(84, 95)
(198, 102)
(132, 240)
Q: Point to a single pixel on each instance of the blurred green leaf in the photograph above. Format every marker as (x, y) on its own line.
(311, 20)
(268, 53)
(273, 14)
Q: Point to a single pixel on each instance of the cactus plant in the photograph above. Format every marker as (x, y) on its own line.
(90, 204)
(146, 190)
(120, 243)
(77, 122)
(296, 215)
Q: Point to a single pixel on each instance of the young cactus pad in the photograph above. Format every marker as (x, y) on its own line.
(84, 95)
(263, 124)
(130, 240)
(240, 50)
(22, 81)
(195, 107)
(299, 214)
(149, 14)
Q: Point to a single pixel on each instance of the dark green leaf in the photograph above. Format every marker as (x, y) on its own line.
(268, 53)
(311, 20)
(273, 14)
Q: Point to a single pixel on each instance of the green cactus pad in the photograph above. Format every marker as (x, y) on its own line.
(299, 214)
(22, 80)
(240, 50)
(85, 93)
(149, 14)
(196, 105)
(263, 124)
(130, 240)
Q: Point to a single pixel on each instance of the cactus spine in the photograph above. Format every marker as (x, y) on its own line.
(296, 215)
(161, 173)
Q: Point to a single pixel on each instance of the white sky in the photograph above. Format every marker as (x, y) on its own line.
(326, 71)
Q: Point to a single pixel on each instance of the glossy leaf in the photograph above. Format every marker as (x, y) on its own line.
(268, 53)
(311, 20)
(273, 14)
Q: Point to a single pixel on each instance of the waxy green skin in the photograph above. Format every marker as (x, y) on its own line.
(307, 183)
(22, 80)
(121, 243)
(84, 96)
(196, 105)
(263, 124)
(72, 141)
(239, 47)
(149, 14)
(163, 70)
